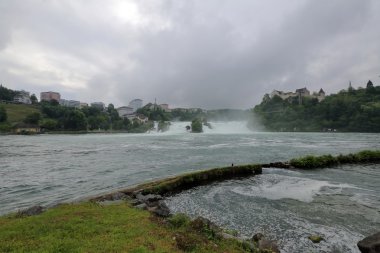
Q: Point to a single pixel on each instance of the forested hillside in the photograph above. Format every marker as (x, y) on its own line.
(351, 110)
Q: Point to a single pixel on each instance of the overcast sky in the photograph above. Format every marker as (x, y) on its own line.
(209, 54)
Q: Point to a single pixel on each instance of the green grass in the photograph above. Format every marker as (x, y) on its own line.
(90, 227)
(17, 112)
(310, 162)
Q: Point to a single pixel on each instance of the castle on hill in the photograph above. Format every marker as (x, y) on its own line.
(303, 92)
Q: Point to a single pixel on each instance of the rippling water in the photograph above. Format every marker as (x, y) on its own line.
(48, 169)
(341, 204)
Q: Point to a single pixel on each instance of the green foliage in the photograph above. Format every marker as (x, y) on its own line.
(5, 127)
(190, 180)
(311, 162)
(196, 126)
(3, 114)
(352, 111)
(33, 118)
(179, 220)
(49, 124)
(34, 99)
(154, 114)
(74, 120)
(7, 94)
(163, 126)
(137, 127)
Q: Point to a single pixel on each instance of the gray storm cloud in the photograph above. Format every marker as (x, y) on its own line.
(210, 54)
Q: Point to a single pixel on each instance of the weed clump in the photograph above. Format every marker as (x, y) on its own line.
(311, 162)
(179, 220)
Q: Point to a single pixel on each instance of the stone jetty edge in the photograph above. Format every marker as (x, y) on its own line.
(176, 184)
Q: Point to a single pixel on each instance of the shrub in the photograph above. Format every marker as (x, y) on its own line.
(186, 241)
(3, 114)
(179, 220)
(196, 126)
(310, 162)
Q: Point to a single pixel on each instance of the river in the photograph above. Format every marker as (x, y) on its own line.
(342, 204)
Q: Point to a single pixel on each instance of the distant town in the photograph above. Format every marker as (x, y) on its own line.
(128, 111)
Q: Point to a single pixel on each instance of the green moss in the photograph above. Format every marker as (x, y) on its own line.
(310, 162)
(179, 220)
(315, 238)
(187, 181)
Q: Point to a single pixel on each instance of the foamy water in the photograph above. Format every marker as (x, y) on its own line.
(288, 206)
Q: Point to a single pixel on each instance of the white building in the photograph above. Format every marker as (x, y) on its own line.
(125, 111)
(136, 104)
(23, 97)
(165, 107)
(303, 92)
(69, 103)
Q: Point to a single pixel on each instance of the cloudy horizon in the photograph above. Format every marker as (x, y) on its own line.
(208, 54)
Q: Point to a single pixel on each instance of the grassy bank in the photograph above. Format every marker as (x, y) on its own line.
(17, 112)
(310, 162)
(90, 227)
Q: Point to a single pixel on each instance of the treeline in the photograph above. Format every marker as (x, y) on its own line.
(351, 110)
(57, 117)
(7, 94)
(181, 114)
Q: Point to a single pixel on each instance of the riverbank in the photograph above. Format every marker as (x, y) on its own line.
(121, 222)
(92, 227)
(130, 220)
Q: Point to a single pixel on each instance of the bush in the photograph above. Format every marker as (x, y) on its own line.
(179, 220)
(186, 241)
(196, 126)
(32, 118)
(3, 114)
(310, 162)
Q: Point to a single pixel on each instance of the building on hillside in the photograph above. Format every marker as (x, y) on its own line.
(320, 95)
(283, 95)
(99, 105)
(303, 92)
(23, 128)
(136, 104)
(22, 97)
(165, 107)
(69, 103)
(125, 111)
(142, 119)
(49, 96)
(83, 105)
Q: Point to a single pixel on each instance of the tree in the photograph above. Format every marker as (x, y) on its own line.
(369, 84)
(196, 126)
(75, 120)
(33, 118)
(49, 124)
(7, 94)
(3, 114)
(34, 99)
